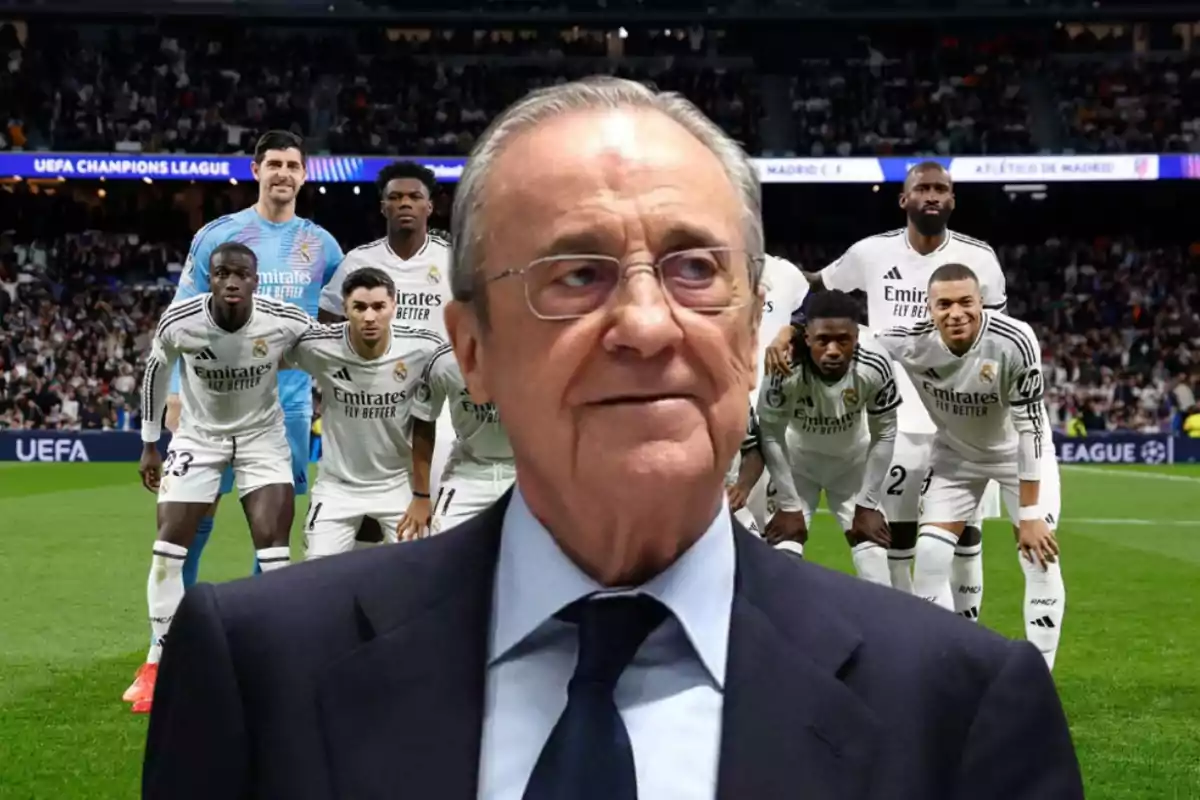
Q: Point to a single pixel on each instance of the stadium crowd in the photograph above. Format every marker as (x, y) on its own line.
(76, 314)
(431, 92)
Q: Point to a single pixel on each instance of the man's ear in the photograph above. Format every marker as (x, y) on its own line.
(464, 329)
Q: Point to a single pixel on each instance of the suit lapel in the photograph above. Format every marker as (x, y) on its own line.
(791, 727)
(402, 715)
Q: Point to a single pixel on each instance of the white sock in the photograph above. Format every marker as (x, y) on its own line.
(900, 564)
(931, 572)
(164, 593)
(871, 563)
(1045, 604)
(966, 579)
(272, 558)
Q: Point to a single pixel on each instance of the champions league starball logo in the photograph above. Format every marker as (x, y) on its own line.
(1153, 452)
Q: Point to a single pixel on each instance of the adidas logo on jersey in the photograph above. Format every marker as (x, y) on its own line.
(206, 355)
(893, 274)
(342, 374)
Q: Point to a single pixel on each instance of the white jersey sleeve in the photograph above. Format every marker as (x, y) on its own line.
(981, 258)
(160, 363)
(774, 416)
(331, 294)
(437, 382)
(1024, 386)
(849, 272)
(881, 421)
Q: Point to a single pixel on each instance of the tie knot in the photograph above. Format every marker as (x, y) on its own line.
(610, 632)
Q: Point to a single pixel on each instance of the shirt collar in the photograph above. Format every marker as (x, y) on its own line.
(535, 580)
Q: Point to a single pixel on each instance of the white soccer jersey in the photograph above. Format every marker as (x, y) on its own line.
(785, 288)
(895, 278)
(827, 417)
(229, 380)
(988, 402)
(480, 441)
(422, 282)
(366, 404)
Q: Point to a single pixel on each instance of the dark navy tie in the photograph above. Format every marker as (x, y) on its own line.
(588, 755)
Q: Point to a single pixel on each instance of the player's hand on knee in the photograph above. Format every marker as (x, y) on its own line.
(171, 418)
(869, 525)
(786, 526)
(1037, 542)
(415, 522)
(737, 496)
(150, 466)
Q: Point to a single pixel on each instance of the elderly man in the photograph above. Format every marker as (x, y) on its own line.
(605, 630)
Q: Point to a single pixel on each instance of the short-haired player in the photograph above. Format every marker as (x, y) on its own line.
(479, 468)
(839, 378)
(368, 369)
(893, 269)
(415, 258)
(230, 343)
(979, 374)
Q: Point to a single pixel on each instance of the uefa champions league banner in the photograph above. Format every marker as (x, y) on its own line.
(363, 169)
(1126, 448)
(74, 446)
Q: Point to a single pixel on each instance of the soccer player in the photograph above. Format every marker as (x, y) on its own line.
(480, 466)
(418, 262)
(979, 375)
(893, 269)
(230, 342)
(296, 257)
(839, 378)
(747, 477)
(368, 370)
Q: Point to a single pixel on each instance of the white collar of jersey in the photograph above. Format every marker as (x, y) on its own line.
(212, 320)
(419, 251)
(945, 243)
(985, 317)
(358, 355)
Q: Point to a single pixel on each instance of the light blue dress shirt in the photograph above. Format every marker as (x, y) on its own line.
(671, 695)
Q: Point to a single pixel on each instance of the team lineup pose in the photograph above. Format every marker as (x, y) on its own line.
(840, 377)
(368, 370)
(480, 465)
(979, 375)
(230, 343)
(893, 269)
(296, 257)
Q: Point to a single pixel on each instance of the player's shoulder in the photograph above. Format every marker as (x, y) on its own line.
(419, 337)
(282, 311)
(223, 228)
(872, 359)
(325, 336)
(886, 241)
(973, 249)
(438, 240)
(182, 314)
(1012, 334)
(440, 359)
(366, 254)
(887, 337)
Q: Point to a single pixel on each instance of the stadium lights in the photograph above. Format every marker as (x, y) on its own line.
(147, 179)
(233, 181)
(357, 190)
(321, 189)
(101, 194)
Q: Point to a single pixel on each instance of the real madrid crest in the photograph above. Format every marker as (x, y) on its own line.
(304, 254)
(260, 348)
(987, 372)
(434, 276)
(850, 396)
(400, 372)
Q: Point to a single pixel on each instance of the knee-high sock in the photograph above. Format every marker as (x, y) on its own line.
(272, 558)
(931, 572)
(164, 592)
(871, 563)
(966, 579)
(1045, 604)
(191, 566)
(900, 566)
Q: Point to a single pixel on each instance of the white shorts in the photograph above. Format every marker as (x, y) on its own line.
(336, 512)
(461, 497)
(906, 477)
(841, 482)
(955, 488)
(194, 464)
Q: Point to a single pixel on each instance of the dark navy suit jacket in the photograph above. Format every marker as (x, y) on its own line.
(362, 677)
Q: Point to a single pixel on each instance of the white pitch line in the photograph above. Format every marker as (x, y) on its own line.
(1157, 523)
(1129, 473)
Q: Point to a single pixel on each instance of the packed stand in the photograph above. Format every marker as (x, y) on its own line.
(955, 96)
(1119, 342)
(76, 316)
(215, 91)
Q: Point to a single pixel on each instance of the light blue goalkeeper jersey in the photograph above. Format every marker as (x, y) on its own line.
(295, 259)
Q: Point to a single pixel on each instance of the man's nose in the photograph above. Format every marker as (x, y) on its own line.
(642, 317)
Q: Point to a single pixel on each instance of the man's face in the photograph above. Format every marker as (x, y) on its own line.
(640, 394)
(370, 312)
(406, 204)
(234, 278)
(955, 307)
(831, 343)
(280, 175)
(928, 200)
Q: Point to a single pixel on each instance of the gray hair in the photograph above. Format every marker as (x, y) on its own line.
(596, 92)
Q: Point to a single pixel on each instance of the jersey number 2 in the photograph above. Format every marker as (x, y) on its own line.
(901, 475)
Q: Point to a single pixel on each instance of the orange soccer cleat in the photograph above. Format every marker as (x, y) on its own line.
(141, 693)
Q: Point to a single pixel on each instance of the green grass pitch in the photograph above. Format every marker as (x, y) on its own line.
(74, 553)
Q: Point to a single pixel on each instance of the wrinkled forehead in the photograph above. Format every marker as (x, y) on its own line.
(624, 176)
